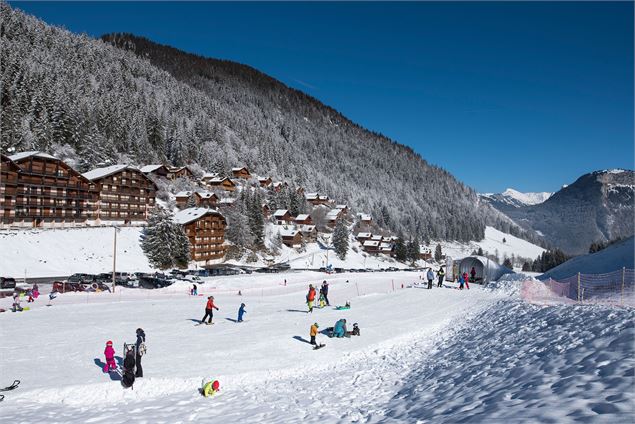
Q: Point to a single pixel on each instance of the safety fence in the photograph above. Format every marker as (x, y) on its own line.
(613, 288)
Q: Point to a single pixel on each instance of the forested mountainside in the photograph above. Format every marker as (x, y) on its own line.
(597, 207)
(88, 101)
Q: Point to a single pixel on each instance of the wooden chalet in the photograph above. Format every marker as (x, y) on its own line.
(124, 194)
(291, 237)
(158, 170)
(282, 217)
(425, 252)
(333, 215)
(241, 173)
(39, 190)
(205, 199)
(304, 219)
(309, 233)
(182, 198)
(317, 199)
(265, 182)
(343, 208)
(277, 186)
(175, 172)
(266, 210)
(371, 246)
(362, 237)
(205, 229)
(226, 202)
(365, 218)
(221, 183)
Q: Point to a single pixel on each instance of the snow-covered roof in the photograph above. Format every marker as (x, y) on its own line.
(227, 200)
(150, 168)
(288, 232)
(302, 217)
(385, 245)
(218, 180)
(183, 194)
(364, 216)
(206, 194)
(307, 228)
(341, 206)
(376, 238)
(364, 235)
(98, 173)
(371, 243)
(277, 184)
(208, 175)
(192, 214)
(280, 213)
(424, 249)
(23, 155)
(315, 196)
(333, 214)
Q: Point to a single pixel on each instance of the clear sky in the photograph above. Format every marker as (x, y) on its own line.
(502, 94)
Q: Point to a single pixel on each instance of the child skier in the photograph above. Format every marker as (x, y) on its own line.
(313, 333)
(194, 290)
(467, 280)
(322, 301)
(241, 312)
(16, 302)
(209, 310)
(109, 353)
(461, 281)
(210, 388)
(310, 297)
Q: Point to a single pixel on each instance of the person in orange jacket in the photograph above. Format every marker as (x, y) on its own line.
(209, 310)
(313, 333)
(310, 297)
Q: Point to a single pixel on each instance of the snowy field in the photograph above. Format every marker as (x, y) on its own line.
(440, 355)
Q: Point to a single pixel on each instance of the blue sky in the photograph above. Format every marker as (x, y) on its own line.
(502, 94)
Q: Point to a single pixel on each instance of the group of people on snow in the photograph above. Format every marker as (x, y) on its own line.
(323, 299)
(440, 275)
(132, 359)
(209, 311)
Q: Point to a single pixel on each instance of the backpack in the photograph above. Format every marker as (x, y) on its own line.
(142, 349)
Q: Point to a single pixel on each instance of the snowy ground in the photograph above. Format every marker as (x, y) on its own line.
(440, 355)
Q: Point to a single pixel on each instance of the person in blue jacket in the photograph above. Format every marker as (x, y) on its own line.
(241, 311)
(340, 328)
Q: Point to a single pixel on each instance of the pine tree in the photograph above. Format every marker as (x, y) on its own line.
(401, 251)
(526, 266)
(480, 251)
(181, 251)
(191, 201)
(340, 239)
(413, 249)
(438, 254)
(256, 220)
(507, 263)
(159, 238)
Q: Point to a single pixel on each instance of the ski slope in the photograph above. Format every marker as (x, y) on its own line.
(423, 355)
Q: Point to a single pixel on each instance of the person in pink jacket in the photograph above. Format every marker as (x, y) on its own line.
(109, 353)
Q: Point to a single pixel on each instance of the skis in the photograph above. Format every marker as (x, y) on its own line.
(320, 346)
(203, 323)
(15, 385)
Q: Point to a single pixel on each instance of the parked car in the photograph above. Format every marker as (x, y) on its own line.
(81, 278)
(154, 282)
(65, 286)
(7, 283)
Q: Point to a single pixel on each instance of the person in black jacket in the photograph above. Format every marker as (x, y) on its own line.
(128, 377)
(141, 338)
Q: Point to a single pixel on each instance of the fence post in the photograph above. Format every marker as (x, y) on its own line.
(578, 286)
(357, 287)
(622, 290)
(393, 285)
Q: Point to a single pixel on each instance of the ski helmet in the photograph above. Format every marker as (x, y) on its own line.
(109, 343)
(215, 385)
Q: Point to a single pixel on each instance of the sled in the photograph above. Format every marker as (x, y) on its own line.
(13, 386)
(342, 308)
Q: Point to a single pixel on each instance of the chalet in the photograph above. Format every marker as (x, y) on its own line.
(39, 190)
(309, 233)
(226, 202)
(241, 173)
(209, 176)
(385, 248)
(291, 237)
(266, 210)
(304, 219)
(158, 170)
(124, 194)
(317, 199)
(377, 238)
(175, 172)
(371, 246)
(364, 217)
(343, 208)
(362, 237)
(182, 198)
(205, 229)
(277, 186)
(221, 183)
(205, 199)
(425, 253)
(282, 217)
(333, 215)
(265, 182)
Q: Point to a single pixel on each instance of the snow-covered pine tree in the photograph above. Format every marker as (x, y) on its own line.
(413, 249)
(256, 219)
(401, 251)
(181, 252)
(340, 239)
(191, 201)
(238, 230)
(438, 254)
(158, 239)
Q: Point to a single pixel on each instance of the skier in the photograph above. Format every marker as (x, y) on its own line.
(16, 302)
(35, 290)
(29, 293)
(430, 276)
(321, 301)
(210, 388)
(473, 275)
(441, 275)
(109, 353)
(209, 310)
(339, 330)
(313, 333)
(128, 377)
(194, 291)
(324, 290)
(310, 297)
(467, 280)
(52, 295)
(140, 351)
(241, 312)
(461, 281)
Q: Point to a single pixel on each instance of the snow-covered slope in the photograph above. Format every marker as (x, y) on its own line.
(516, 198)
(62, 252)
(423, 355)
(613, 258)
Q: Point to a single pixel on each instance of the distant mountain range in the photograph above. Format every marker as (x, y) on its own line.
(598, 206)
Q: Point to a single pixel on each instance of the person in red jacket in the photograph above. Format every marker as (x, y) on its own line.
(467, 280)
(109, 353)
(209, 310)
(310, 297)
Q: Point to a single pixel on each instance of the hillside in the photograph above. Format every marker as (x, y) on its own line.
(89, 103)
(598, 206)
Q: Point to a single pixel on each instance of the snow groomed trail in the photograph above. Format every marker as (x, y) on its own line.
(430, 355)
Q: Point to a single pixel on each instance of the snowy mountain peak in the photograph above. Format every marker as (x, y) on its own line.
(527, 198)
